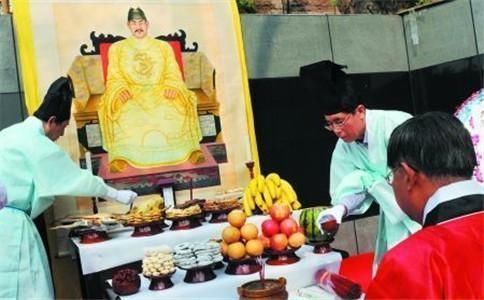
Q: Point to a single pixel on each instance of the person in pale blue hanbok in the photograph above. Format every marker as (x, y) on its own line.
(358, 165)
(33, 170)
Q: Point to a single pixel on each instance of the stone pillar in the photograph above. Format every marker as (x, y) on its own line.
(11, 107)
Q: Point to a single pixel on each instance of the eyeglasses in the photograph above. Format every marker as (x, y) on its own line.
(389, 177)
(338, 124)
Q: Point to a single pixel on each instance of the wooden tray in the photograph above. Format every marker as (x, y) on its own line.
(242, 266)
(199, 274)
(91, 235)
(278, 258)
(219, 216)
(322, 246)
(147, 229)
(183, 223)
(158, 283)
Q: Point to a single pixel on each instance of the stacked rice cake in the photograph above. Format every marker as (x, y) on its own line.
(158, 261)
(198, 254)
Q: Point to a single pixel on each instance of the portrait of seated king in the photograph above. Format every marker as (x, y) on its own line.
(146, 109)
(147, 115)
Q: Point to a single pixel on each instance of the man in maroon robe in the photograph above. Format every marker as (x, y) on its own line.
(432, 159)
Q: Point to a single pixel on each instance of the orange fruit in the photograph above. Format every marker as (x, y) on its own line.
(265, 241)
(249, 231)
(223, 248)
(231, 234)
(254, 247)
(296, 240)
(236, 218)
(236, 250)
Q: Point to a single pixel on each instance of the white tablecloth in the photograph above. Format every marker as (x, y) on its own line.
(122, 248)
(224, 286)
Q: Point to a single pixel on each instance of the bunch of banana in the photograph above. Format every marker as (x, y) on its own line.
(262, 192)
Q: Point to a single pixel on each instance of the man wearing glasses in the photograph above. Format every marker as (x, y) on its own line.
(358, 164)
(432, 160)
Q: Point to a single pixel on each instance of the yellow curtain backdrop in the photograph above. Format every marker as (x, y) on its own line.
(25, 46)
(245, 82)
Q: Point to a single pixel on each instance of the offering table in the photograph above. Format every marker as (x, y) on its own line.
(98, 261)
(224, 286)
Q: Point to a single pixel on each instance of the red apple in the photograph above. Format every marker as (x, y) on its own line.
(279, 242)
(279, 211)
(288, 226)
(265, 241)
(270, 227)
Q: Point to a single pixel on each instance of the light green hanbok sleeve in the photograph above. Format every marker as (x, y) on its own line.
(375, 187)
(55, 174)
(346, 179)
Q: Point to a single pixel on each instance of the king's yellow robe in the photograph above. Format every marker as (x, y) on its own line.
(148, 130)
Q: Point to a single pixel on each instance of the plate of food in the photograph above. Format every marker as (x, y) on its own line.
(198, 259)
(184, 218)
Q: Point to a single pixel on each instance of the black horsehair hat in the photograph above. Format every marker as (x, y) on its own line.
(329, 87)
(136, 14)
(57, 101)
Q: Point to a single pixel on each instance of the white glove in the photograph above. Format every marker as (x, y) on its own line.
(336, 212)
(352, 201)
(122, 196)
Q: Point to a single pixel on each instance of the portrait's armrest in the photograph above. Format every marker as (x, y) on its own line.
(81, 90)
(199, 74)
(207, 74)
(191, 68)
(87, 77)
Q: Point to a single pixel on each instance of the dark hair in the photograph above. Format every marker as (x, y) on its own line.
(329, 87)
(341, 98)
(435, 143)
(57, 101)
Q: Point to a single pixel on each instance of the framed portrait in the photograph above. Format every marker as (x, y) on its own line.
(184, 81)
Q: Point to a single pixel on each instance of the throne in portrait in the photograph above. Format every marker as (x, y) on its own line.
(89, 71)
